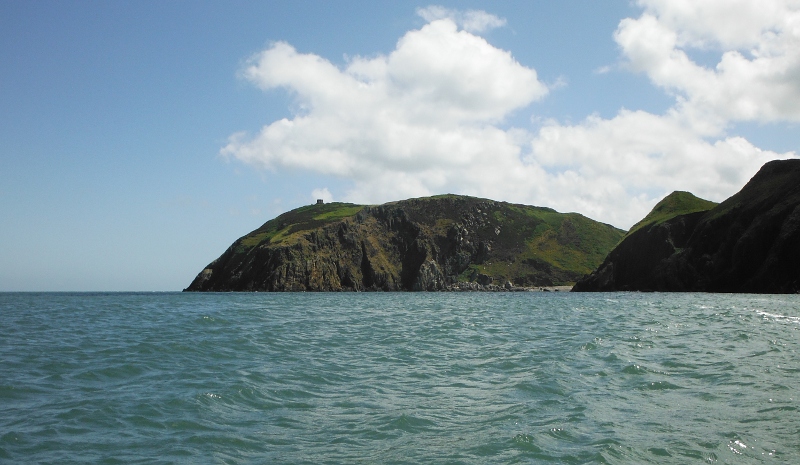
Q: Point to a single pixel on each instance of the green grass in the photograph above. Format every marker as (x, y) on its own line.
(284, 227)
(565, 241)
(532, 239)
(676, 203)
(339, 213)
(255, 239)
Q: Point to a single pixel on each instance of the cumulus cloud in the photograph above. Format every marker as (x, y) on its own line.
(409, 123)
(430, 117)
(758, 75)
(640, 156)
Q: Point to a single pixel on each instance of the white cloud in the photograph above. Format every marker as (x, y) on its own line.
(728, 24)
(404, 124)
(640, 156)
(758, 75)
(471, 20)
(322, 194)
(428, 117)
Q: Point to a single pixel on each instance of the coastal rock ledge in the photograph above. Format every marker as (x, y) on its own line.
(439, 243)
(748, 243)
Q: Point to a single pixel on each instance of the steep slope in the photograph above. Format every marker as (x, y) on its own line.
(748, 243)
(433, 243)
(676, 203)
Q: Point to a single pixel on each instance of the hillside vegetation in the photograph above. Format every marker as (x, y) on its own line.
(676, 203)
(446, 242)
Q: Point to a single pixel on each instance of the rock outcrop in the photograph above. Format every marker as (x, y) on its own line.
(748, 243)
(429, 244)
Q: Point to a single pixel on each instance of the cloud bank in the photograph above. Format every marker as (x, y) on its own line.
(429, 117)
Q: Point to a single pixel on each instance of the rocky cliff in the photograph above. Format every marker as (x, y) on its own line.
(748, 243)
(436, 243)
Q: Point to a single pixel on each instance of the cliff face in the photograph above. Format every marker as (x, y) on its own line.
(436, 243)
(748, 243)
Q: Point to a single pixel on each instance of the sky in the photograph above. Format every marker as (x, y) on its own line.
(138, 140)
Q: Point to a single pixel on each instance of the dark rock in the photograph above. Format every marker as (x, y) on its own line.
(748, 243)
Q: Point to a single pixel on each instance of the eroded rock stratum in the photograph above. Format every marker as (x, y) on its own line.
(445, 242)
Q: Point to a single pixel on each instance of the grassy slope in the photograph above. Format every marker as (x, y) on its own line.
(676, 203)
(568, 242)
(530, 238)
(288, 227)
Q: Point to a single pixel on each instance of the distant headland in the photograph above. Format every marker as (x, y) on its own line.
(439, 243)
(748, 243)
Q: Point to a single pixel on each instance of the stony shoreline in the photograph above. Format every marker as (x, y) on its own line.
(508, 287)
(458, 287)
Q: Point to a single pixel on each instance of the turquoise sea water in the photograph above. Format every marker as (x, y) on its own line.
(466, 378)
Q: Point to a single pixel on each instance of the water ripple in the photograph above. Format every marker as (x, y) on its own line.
(399, 378)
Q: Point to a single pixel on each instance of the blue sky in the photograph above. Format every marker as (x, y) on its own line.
(139, 139)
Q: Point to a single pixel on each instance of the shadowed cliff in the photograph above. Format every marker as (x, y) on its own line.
(445, 242)
(748, 243)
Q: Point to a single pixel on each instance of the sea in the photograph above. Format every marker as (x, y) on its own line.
(399, 378)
